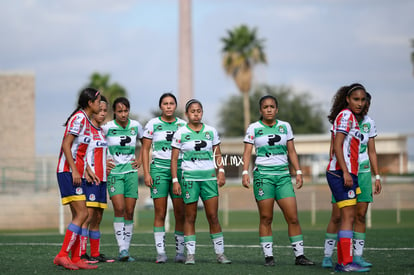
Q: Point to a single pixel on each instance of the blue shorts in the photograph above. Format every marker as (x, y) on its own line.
(343, 195)
(69, 192)
(95, 194)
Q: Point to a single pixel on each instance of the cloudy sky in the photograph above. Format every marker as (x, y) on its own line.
(312, 46)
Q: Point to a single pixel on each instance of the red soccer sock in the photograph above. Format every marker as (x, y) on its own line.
(68, 242)
(345, 251)
(76, 250)
(95, 243)
(83, 244)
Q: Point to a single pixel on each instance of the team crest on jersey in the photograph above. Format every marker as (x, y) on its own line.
(281, 130)
(261, 192)
(155, 191)
(133, 132)
(187, 195)
(180, 125)
(207, 135)
(365, 128)
(351, 194)
(79, 191)
(92, 197)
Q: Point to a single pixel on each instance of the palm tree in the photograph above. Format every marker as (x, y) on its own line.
(241, 52)
(110, 90)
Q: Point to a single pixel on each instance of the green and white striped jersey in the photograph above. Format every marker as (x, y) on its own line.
(198, 163)
(271, 146)
(161, 134)
(368, 130)
(121, 144)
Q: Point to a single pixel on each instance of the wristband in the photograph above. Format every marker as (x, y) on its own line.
(299, 172)
(174, 180)
(377, 177)
(221, 170)
(245, 172)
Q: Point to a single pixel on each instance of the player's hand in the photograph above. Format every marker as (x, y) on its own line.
(76, 177)
(177, 188)
(299, 181)
(246, 181)
(378, 187)
(109, 166)
(348, 182)
(148, 180)
(221, 179)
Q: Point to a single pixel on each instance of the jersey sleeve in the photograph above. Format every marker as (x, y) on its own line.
(343, 122)
(140, 131)
(76, 124)
(176, 140)
(289, 134)
(216, 138)
(149, 130)
(373, 131)
(249, 137)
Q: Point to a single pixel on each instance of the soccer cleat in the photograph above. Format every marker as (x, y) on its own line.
(351, 267)
(180, 258)
(123, 256)
(131, 259)
(327, 262)
(302, 260)
(161, 259)
(85, 257)
(101, 258)
(66, 262)
(190, 259)
(222, 259)
(269, 261)
(82, 264)
(360, 261)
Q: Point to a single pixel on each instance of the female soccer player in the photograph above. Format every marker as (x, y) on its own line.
(273, 140)
(158, 133)
(342, 170)
(367, 161)
(70, 173)
(121, 135)
(95, 188)
(199, 145)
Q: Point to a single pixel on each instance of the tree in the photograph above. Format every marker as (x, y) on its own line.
(110, 90)
(242, 50)
(304, 117)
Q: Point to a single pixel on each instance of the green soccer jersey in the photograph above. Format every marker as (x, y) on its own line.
(121, 144)
(161, 134)
(198, 162)
(271, 146)
(368, 130)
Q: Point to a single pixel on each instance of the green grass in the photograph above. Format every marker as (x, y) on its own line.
(390, 247)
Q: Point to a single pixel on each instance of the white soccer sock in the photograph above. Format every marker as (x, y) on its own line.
(297, 248)
(330, 242)
(179, 243)
(129, 227)
(119, 235)
(218, 245)
(159, 238)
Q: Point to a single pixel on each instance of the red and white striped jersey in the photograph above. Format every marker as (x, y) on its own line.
(346, 123)
(78, 125)
(96, 154)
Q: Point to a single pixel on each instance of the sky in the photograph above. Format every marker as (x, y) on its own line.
(313, 47)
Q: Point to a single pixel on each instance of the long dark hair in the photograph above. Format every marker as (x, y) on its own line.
(339, 100)
(123, 101)
(84, 97)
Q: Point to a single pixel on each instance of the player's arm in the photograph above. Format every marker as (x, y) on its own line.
(247, 154)
(221, 177)
(145, 149)
(294, 161)
(66, 148)
(372, 153)
(174, 170)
